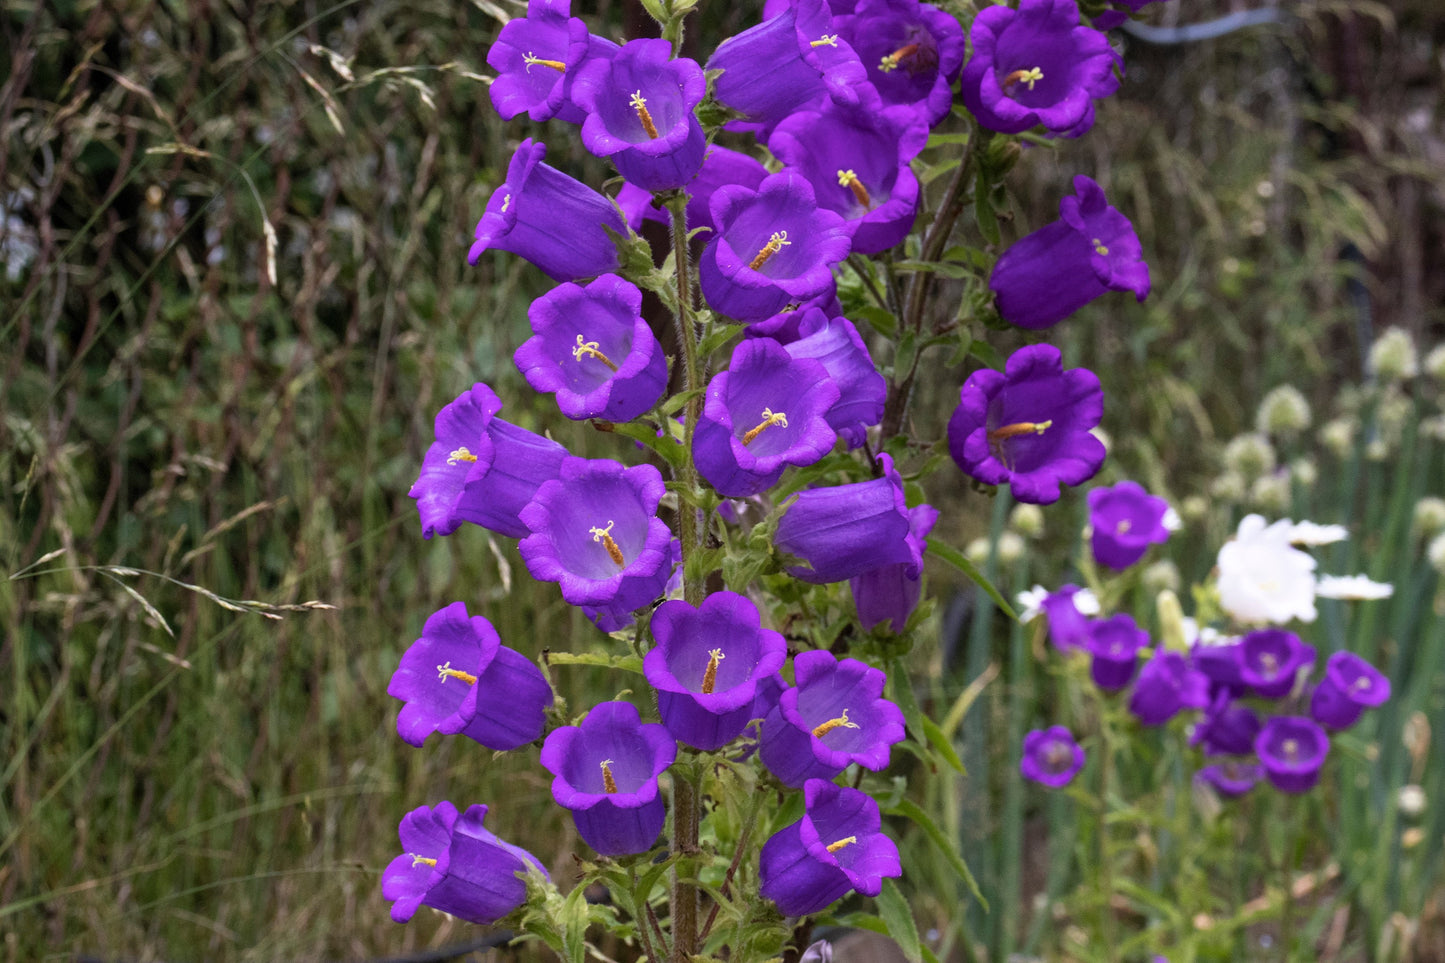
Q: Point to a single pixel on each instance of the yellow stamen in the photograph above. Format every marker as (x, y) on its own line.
(709, 675)
(1123, 526)
(604, 535)
(849, 179)
(845, 841)
(1269, 663)
(639, 104)
(890, 62)
(419, 860)
(832, 724)
(460, 454)
(1004, 432)
(774, 245)
(445, 669)
(608, 783)
(585, 348)
(505, 201)
(1100, 248)
(1290, 747)
(770, 417)
(1030, 76)
(825, 41)
(556, 65)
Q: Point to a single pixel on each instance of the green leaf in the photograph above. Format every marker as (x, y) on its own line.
(893, 908)
(878, 319)
(627, 663)
(984, 213)
(956, 558)
(986, 353)
(902, 690)
(940, 743)
(909, 810)
(720, 335)
(943, 268)
(645, 434)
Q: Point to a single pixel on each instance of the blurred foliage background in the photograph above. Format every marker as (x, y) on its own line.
(235, 293)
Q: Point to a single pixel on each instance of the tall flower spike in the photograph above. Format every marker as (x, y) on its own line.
(536, 59)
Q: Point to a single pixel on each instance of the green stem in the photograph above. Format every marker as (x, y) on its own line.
(1106, 864)
(684, 894)
(1286, 869)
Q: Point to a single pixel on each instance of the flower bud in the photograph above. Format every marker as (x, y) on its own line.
(1161, 576)
(1270, 494)
(1249, 455)
(1010, 548)
(1027, 520)
(1411, 800)
(1339, 436)
(1228, 487)
(1436, 553)
(1303, 470)
(1429, 517)
(1194, 507)
(1283, 412)
(1393, 357)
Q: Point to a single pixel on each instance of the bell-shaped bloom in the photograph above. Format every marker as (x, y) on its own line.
(1271, 659)
(1231, 778)
(1292, 749)
(593, 349)
(890, 592)
(459, 678)
(1068, 611)
(842, 531)
(536, 58)
(595, 531)
(1221, 663)
(838, 846)
(789, 61)
(639, 106)
(1028, 426)
(1227, 728)
(606, 772)
(1114, 645)
(835, 342)
(1126, 521)
(785, 327)
(1263, 578)
(720, 167)
(481, 469)
(1036, 65)
(1051, 757)
(912, 52)
(1350, 686)
(1166, 685)
(834, 715)
(767, 411)
(553, 220)
(707, 665)
(454, 864)
(772, 245)
(1090, 250)
(857, 160)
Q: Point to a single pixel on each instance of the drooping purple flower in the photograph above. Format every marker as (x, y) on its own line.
(593, 349)
(767, 411)
(1231, 778)
(639, 106)
(707, 665)
(1292, 749)
(481, 469)
(771, 246)
(837, 846)
(1227, 728)
(1036, 65)
(1350, 686)
(1051, 757)
(1068, 624)
(1126, 521)
(595, 531)
(1028, 427)
(1166, 685)
(890, 593)
(1270, 661)
(1092, 249)
(720, 167)
(834, 715)
(1114, 645)
(857, 160)
(842, 531)
(454, 864)
(835, 342)
(459, 678)
(912, 52)
(536, 58)
(552, 220)
(606, 772)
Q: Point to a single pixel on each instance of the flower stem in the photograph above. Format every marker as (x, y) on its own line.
(684, 894)
(687, 513)
(1106, 856)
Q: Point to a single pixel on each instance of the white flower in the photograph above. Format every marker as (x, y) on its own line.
(1358, 587)
(1262, 578)
(1171, 520)
(1308, 533)
(1031, 603)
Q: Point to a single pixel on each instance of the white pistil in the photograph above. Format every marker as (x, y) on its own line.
(776, 243)
(460, 454)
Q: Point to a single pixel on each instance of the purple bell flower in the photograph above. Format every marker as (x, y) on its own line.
(454, 864)
(1114, 644)
(842, 531)
(552, 220)
(1231, 778)
(835, 342)
(1350, 686)
(1028, 427)
(837, 846)
(1112, 17)
(459, 678)
(595, 531)
(1126, 521)
(784, 328)
(707, 665)
(1092, 249)
(912, 52)
(890, 593)
(1166, 685)
(1228, 728)
(1068, 627)
(593, 349)
(1270, 661)
(834, 715)
(766, 412)
(1036, 65)
(1222, 664)
(536, 57)
(639, 106)
(1292, 749)
(481, 469)
(606, 772)
(720, 167)
(1051, 757)
(772, 245)
(857, 160)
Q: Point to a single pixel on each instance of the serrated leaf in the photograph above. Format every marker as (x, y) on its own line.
(896, 915)
(957, 559)
(909, 810)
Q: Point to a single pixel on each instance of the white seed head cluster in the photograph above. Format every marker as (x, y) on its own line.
(1411, 800)
(1228, 487)
(1429, 518)
(1193, 508)
(1435, 363)
(1161, 575)
(1270, 493)
(1249, 455)
(1304, 471)
(1010, 548)
(1027, 520)
(1436, 553)
(1283, 413)
(1393, 412)
(1339, 436)
(1393, 356)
